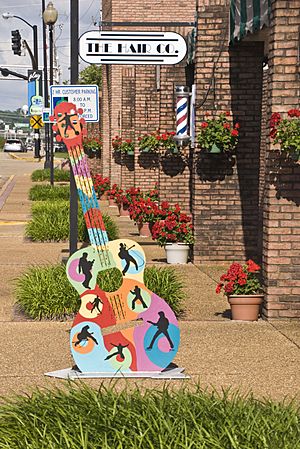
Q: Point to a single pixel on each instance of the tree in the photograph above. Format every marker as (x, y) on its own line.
(92, 74)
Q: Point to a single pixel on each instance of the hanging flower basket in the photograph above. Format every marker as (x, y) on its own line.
(123, 146)
(149, 143)
(286, 132)
(218, 135)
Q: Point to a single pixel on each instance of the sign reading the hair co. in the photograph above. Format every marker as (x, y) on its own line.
(132, 47)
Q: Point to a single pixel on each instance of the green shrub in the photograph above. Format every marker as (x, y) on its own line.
(45, 292)
(2, 142)
(44, 175)
(81, 417)
(47, 192)
(50, 222)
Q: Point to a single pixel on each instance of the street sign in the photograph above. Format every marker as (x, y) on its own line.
(46, 114)
(36, 122)
(82, 95)
(132, 47)
(35, 99)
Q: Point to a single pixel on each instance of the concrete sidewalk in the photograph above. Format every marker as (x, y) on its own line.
(263, 356)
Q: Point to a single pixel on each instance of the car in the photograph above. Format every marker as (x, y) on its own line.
(14, 145)
(59, 147)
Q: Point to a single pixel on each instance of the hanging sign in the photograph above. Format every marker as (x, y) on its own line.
(136, 47)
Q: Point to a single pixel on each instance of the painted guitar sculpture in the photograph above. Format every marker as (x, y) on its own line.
(150, 346)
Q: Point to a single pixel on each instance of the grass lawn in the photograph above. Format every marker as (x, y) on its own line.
(61, 155)
(84, 418)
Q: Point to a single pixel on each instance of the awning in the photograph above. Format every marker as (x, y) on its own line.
(248, 16)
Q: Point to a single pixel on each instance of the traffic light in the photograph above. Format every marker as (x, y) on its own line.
(16, 42)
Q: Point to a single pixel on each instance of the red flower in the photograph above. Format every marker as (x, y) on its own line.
(234, 133)
(294, 112)
(227, 113)
(237, 126)
(226, 125)
(218, 288)
(229, 287)
(252, 267)
(204, 125)
(275, 119)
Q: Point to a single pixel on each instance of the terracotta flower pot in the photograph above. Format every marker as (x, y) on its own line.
(124, 212)
(245, 307)
(144, 229)
(103, 196)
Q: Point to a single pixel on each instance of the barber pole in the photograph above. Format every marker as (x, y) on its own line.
(182, 94)
(181, 116)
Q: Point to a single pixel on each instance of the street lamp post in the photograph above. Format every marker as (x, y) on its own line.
(50, 15)
(46, 100)
(35, 66)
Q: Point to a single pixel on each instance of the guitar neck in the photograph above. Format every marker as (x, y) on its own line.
(87, 195)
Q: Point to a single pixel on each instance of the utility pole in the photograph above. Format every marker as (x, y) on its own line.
(74, 80)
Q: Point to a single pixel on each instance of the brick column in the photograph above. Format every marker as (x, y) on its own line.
(281, 244)
(226, 190)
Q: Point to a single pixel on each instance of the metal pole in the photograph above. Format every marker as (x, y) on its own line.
(46, 102)
(35, 66)
(74, 80)
(35, 47)
(51, 83)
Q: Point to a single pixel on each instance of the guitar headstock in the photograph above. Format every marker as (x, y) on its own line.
(68, 124)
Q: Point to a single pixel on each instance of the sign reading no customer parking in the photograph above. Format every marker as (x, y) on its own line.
(136, 47)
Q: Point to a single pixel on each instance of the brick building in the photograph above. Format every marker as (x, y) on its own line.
(243, 207)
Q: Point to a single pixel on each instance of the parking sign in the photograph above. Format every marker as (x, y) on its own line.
(82, 95)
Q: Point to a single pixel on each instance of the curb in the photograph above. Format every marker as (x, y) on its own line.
(28, 159)
(6, 189)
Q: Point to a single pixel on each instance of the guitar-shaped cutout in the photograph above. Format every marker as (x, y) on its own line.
(149, 346)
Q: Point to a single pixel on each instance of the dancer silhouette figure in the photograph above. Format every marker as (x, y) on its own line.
(84, 335)
(124, 254)
(118, 352)
(138, 297)
(85, 267)
(96, 303)
(162, 328)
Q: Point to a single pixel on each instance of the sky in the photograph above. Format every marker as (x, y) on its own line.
(13, 92)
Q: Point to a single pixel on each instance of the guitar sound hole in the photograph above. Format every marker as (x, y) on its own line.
(110, 280)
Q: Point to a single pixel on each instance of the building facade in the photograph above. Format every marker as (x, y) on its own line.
(245, 206)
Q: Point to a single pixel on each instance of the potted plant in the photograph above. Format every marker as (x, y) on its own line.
(125, 199)
(141, 212)
(286, 132)
(218, 135)
(149, 143)
(101, 185)
(243, 290)
(175, 233)
(112, 193)
(92, 146)
(124, 146)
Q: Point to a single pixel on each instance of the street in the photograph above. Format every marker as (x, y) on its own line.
(10, 166)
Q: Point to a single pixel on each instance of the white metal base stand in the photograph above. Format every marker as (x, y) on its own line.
(69, 373)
